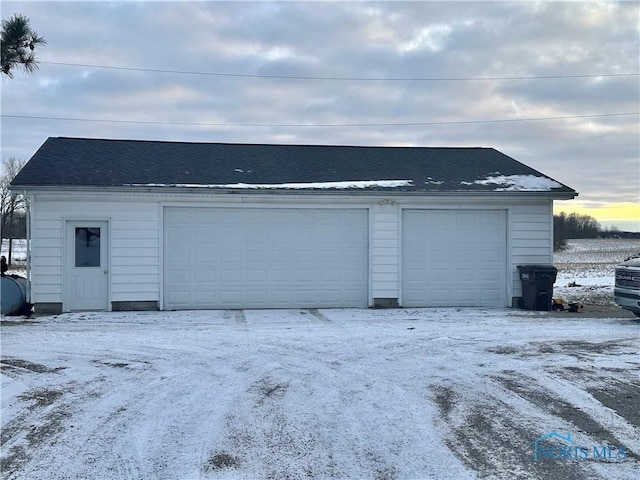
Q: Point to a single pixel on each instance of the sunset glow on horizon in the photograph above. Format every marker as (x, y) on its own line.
(623, 215)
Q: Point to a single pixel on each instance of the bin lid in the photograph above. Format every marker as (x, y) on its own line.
(536, 268)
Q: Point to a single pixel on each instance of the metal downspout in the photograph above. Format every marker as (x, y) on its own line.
(27, 198)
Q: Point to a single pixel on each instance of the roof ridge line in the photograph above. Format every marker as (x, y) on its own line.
(320, 145)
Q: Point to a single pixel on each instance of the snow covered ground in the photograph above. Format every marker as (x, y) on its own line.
(324, 394)
(354, 394)
(586, 269)
(18, 255)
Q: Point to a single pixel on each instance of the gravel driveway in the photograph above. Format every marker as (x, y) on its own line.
(341, 394)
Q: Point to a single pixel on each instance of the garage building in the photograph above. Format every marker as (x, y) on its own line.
(128, 225)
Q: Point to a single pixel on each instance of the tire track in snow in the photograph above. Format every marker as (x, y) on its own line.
(307, 413)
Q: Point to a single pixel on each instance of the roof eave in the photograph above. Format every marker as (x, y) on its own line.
(554, 195)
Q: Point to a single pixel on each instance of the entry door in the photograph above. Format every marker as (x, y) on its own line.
(87, 263)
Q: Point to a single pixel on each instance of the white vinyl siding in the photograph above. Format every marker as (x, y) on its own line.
(531, 238)
(134, 270)
(384, 251)
(137, 262)
(265, 257)
(135, 254)
(46, 261)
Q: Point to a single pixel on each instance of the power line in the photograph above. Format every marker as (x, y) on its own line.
(299, 125)
(357, 79)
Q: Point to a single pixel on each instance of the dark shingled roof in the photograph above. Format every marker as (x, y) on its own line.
(82, 162)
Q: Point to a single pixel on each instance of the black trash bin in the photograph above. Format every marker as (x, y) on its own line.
(537, 286)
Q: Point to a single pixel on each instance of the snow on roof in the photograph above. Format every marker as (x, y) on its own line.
(293, 186)
(67, 163)
(517, 183)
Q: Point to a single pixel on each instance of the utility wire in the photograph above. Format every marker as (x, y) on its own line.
(296, 125)
(358, 79)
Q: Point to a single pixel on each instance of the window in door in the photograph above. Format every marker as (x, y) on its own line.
(87, 247)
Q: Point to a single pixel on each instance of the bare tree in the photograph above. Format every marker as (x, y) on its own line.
(10, 202)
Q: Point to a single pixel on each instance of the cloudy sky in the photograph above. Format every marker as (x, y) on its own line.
(553, 84)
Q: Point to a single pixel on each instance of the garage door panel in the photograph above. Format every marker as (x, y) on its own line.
(201, 275)
(227, 236)
(182, 275)
(202, 256)
(454, 258)
(490, 275)
(466, 219)
(177, 297)
(230, 297)
(256, 276)
(176, 257)
(491, 295)
(227, 256)
(219, 216)
(255, 256)
(327, 257)
(282, 275)
(491, 257)
(228, 276)
(266, 258)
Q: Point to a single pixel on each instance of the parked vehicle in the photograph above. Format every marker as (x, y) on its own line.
(627, 287)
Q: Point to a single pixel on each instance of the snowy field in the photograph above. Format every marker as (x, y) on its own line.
(586, 269)
(18, 255)
(327, 394)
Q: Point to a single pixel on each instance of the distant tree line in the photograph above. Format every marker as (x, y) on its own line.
(576, 225)
(615, 232)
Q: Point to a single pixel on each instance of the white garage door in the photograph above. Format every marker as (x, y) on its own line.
(454, 258)
(265, 258)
